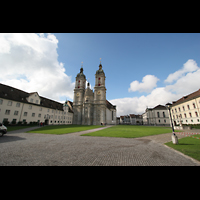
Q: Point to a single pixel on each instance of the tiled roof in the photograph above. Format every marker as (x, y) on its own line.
(109, 105)
(71, 106)
(160, 107)
(11, 93)
(135, 116)
(187, 98)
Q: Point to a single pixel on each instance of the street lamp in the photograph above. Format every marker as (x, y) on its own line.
(174, 137)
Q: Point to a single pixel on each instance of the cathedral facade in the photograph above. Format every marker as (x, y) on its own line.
(91, 107)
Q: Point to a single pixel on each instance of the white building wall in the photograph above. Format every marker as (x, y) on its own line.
(151, 117)
(34, 113)
(109, 119)
(10, 106)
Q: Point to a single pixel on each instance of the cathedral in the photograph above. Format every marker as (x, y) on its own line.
(92, 108)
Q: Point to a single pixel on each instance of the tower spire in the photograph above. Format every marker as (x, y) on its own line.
(100, 65)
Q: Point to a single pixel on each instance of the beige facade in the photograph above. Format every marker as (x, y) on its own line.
(156, 116)
(131, 119)
(17, 105)
(136, 119)
(91, 107)
(187, 109)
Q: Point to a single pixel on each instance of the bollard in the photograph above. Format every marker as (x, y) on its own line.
(174, 138)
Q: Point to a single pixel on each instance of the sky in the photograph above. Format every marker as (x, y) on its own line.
(142, 69)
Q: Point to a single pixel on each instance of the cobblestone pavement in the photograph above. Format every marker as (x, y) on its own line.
(163, 138)
(30, 149)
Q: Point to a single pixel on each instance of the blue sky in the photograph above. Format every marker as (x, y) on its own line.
(142, 69)
(127, 56)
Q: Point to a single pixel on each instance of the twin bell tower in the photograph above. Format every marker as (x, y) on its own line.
(90, 107)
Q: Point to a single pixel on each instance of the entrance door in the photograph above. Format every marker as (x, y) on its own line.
(46, 122)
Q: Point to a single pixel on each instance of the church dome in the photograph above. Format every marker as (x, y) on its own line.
(100, 71)
(81, 73)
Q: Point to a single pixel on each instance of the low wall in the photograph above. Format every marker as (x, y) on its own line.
(182, 127)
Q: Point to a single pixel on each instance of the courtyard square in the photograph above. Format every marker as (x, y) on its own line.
(32, 149)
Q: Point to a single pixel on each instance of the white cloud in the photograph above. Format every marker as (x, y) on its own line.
(30, 63)
(186, 84)
(4, 47)
(137, 105)
(186, 81)
(189, 66)
(148, 83)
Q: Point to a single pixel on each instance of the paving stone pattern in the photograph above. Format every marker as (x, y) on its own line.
(30, 149)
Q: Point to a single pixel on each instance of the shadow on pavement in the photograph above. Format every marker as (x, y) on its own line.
(8, 138)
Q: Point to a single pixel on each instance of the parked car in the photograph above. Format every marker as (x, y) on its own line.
(3, 130)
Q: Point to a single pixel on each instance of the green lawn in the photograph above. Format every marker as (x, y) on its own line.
(62, 129)
(130, 131)
(14, 128)
(189, 146)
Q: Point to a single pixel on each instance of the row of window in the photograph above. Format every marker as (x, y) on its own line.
(61, 122)
(24, 120)
(188, 107)
(33, 114)
(159, 121)
(185, 115)
(35, 101)
(187, 121)
(30, 107)
(158, 114)
(9, 103)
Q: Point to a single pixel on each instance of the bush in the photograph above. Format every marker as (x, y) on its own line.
(19, 123)
(197, 126)
(13, 122)
(33, 123)
(6, 123)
